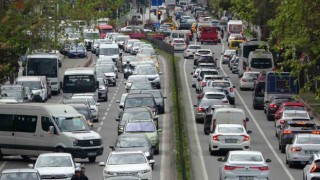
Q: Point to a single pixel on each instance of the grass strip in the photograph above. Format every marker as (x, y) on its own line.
(312, 100)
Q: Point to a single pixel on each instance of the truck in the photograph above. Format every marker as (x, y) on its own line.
(234, 26)
(209, 34)
(280, 83)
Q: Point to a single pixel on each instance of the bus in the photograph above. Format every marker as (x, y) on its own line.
(80, 80)
(45, 64)
(104, 30)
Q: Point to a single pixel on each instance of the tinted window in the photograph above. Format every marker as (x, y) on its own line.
(215, 96)
(25, 123)
(20, 175)
(46, 123)
(261, 63)
(246, 157)
(259, 89)
(6, 122)
(308, 140)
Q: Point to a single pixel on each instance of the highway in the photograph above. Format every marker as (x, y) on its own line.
(106, 127)
(263, 138)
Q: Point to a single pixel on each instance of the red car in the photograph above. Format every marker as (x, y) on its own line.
(289, 106)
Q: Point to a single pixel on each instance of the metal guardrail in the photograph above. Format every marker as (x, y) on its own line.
(161, 45)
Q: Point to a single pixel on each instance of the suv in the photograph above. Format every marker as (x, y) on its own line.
(26, 174)
(258, 94)
(229, 89)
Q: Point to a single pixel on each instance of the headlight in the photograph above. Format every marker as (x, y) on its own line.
(110, 172)
(147, 154)
(144, 171)
(75, 142)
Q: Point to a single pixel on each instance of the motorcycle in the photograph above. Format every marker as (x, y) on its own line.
(127, 72)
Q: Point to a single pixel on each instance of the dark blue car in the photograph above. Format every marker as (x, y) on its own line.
(77, 51)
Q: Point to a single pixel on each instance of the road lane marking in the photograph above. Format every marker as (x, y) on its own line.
(106, 113)
(2, 165)
(258, 126)
(195, 131)
(101, 123)
(99, 128)
(103, 118)
(108, 109)
(111, 101)
(114, 96)
(110, 105)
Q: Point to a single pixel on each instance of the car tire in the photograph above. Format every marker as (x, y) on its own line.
(291, 164)
(115, 84)
(276, 133)
(287, 162)
(156, 151)
(283, 149)
(106, 99)
(206, 132)
(254, 106)
(269, 118)
(92, 159)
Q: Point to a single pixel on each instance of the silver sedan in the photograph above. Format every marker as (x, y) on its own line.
(301, 149)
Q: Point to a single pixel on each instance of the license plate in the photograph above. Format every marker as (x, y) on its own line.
(92, 154)
(231, 140)
(311, 152)
(245, 178)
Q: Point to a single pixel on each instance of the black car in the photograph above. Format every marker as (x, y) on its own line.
(273, 104)
(158, 97)
(292, 127)
(134, 142)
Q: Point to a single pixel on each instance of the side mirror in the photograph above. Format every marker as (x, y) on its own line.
(30, 165)
(102, 164)
(111, 147)
(268, 160)
(247, 119)
(152, 161)
(220, 159)
(249, 132)
(312, 118)
(51, 130)
(121, 106)
(117, 119)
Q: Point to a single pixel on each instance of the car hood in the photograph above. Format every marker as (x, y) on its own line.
(88, 40)
(55, 170)
(126, 167)
(109, 56)
(83, 135)
(36, 91)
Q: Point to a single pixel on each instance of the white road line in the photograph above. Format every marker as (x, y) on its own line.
(110, 105)
(99, 128)
(259, 128)
(111, 101)
(203, 166)
(106, 113)
(108, 109)
(165, 161)
(2, 165)
(101, 123)
(114, 96)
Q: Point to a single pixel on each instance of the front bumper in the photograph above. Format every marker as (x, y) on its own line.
(82, 152)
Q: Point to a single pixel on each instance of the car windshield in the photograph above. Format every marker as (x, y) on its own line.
(140, 86)
(230, 129)
(221, 84)
(91, 35)
(136, 115)
(147, 71)
(140, 127)
(139, 102)
(104, 69)
(12, 93)
(261, 63)
(71, 124)
(109, 51)
(33, 85)
(77, 48)
(53, 161)
(246, 157)
(91, 100)
(84, 112)
(194, 47)
(20, 176)
(120, 159)
(130, 142)
(295, 114)
(308, 140)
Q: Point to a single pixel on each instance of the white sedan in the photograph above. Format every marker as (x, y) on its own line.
(246, 165)
(301, 149)
(128, 163)
(247, 80)
(190, 51)
(229, 137)
(178, 44)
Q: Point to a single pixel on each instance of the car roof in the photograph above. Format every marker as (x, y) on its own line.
(132, 95)
(229, 109)
(79, 70)
(55, 154)
(215, 92)
(135, 109)
(290, 103)
(246, 152)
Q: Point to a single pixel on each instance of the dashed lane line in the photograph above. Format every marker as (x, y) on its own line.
(99, 128)
(101, 123)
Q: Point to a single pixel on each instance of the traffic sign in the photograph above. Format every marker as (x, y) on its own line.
(158, 25)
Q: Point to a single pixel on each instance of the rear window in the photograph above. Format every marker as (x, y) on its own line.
(194, 47)
(279, 101)
(221, 84)
(227, 116)
(296, 115)
(261, 63)
(308, 140)
(302, 126)
(208, 73)
(178, 41)
(293, 108)
(215, 96)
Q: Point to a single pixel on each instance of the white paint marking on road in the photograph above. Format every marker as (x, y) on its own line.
(99, 128)
(104, 118)
(258, 126)
(108, 109)
(106, 113)
(101, 123)
(114, 97)
(111, 101)
(203, 166)
(2, 165)
(110, 105)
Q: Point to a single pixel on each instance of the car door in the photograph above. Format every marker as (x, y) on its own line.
(7, 143)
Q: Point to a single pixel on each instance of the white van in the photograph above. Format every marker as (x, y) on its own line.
(228, 116)
(109, 51)
(179, 34)
(260, 60)
(32, 129)
(38, 85)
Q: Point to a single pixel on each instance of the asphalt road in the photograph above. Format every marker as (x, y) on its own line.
(263, 138)
(106, 127)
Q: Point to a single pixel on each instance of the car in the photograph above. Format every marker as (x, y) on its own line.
(229, 137)
(135, 47)
(77, 51)
(272, 104)
(178, 44)
(200, 52)
(145, 127)
(234, 67)
(206, 59)
(128, 44)
(55, 165)
(202, 82)
(107, 71)
(190, 51)
(292, 127)
(289, 106)
(208, 89)
(131, 59)
(312, 170)
(103, 89)
(215, 95)
(75, 101)
(136, 113)
(159, 98)
(135, 78)
(226, 85)
(247, 80)
(203, 105)
(244, 165)
(92, 102)
(235, 36)
(206, 66)
(127, 163)
(151, 73)
(138, 86)
(232, 60)
(302, 148)
(120, 40)
(296, 115)
(106, 67)
(18, 92)
(258, 94)
(17, 174)
(134, 142)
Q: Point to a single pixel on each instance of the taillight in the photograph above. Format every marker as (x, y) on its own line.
(225, 56)
(244, 80)
(315, 169)
(295, 149)
(200, 96)
(315, 132)
(215, 137)
(225, 101)
(287, 131)
(204, 83)
(272, 106)
(281, 121)
(230, 168)
(200, 109)
(249, 69)
(245, 138)
(231, 89)
(261, 168)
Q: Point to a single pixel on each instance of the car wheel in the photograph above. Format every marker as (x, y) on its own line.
(276, 133)
(291, 164)
(283, 149)
(156, 151)
(269, 118)
(92, 159)
(287, 162)
(115, 84)
(106, 99)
